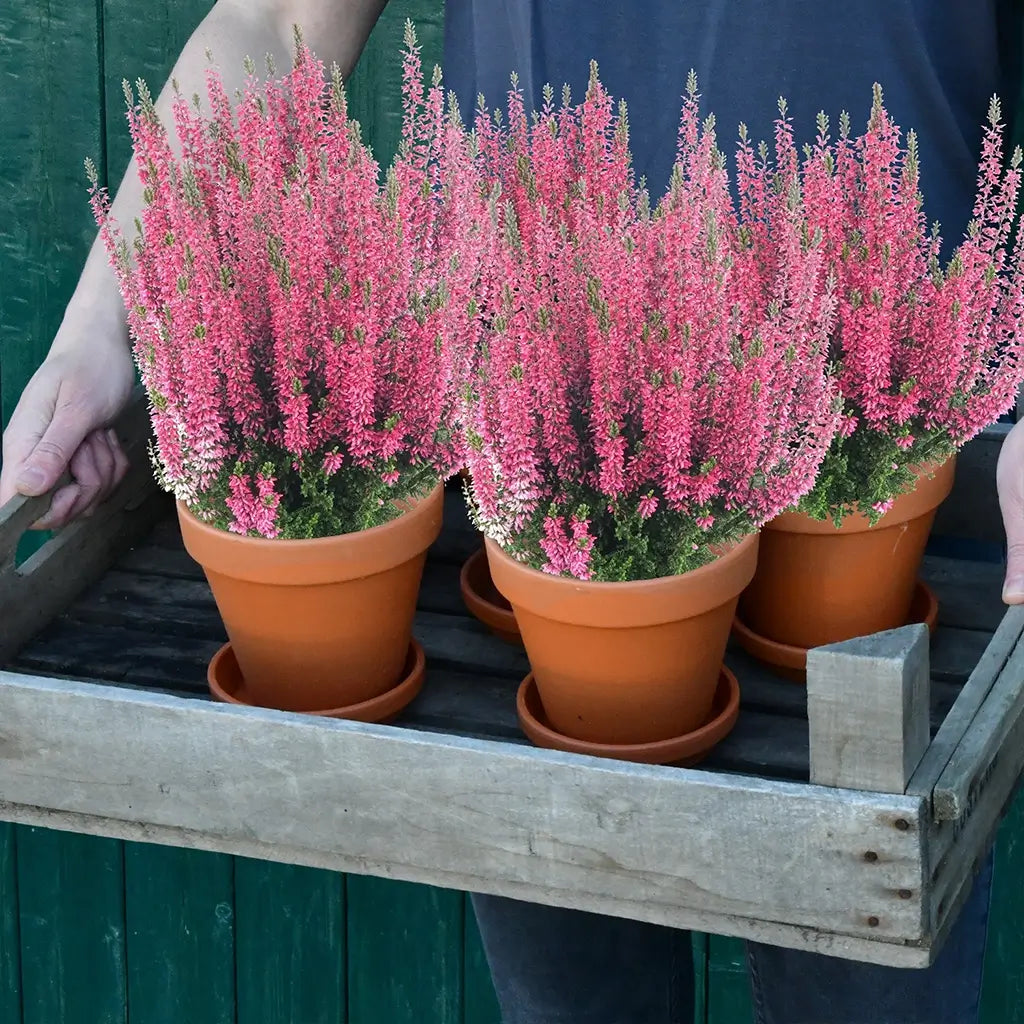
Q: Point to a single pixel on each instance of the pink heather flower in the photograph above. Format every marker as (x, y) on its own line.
(290, 306)
(881, 507)
(567, 545)
(253, 502)
(941, 349)
(665, 369)
(647, 506)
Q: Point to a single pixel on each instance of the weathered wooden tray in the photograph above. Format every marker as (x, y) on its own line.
(848, 817)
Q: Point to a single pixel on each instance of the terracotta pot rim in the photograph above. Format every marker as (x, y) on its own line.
(924, 609)
(690, 747)
(320, 559)
(930, 492)
(629, 603)
(381, 708)
(500, 620)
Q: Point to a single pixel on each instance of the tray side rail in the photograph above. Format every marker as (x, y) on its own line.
(787, 863)
(34, 593)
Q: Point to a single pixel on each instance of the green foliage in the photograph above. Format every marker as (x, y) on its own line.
(626, 545)
(869, 469)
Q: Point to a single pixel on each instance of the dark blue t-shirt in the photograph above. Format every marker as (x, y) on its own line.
(938, 61)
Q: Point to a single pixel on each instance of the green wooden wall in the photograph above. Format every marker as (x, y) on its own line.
(97, 931)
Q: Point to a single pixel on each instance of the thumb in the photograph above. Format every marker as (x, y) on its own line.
(1010, 483)
(47, 458)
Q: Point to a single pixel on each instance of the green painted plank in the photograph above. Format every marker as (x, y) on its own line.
(700, 977)
(1003, 989)
(480, 1002)
(50, 122)
(180, 935)
(290, 944)
(728, 982)
(10, 953)
(405, 946)
(71, 913)
(375, 88)
(140, 41)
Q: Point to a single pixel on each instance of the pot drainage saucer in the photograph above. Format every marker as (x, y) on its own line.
(484, 602)
(685, 750)
(227, 685)
(791, 662)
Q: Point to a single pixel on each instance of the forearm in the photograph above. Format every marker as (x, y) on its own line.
(336, 30)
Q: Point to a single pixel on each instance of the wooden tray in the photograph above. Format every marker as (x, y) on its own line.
(847, 818)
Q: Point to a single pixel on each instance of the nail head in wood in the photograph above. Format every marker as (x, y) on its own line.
(867, 709)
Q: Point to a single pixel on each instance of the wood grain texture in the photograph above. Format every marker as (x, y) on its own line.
(729, 1000)
(10, 947)
(405, 966)
(152, 621)
(139, 45)
(867, 710)
(72, 918)
(627, 837)
(989, 665)
(290, 943)
(1003, 989)
(986, 769)
(34, 592)
(180, 936)
(984, 744)
(50, 122)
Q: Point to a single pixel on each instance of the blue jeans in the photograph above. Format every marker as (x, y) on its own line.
(555, 966)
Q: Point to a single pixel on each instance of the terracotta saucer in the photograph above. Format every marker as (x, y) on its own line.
(791, 662)
(685, 750)
(484, 602)
(226, 685)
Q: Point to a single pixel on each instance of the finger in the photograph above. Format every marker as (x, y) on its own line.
(99, 442)
(1013, 584)
(86, 473)
(29, 421)
(121, 463)
(59, 513)
(1010, 484)
(43, 467)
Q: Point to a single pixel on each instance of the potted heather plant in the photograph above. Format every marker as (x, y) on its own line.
(298, 323)
(925, 356)
(649, 389)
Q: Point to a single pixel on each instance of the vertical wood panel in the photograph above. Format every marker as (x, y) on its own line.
(140, 41)
(50, 122)
(728, 982)
(180, 936)
(700, 977)
(375, 89)
(1003, 990)
(404, 953)
(71, 904)
(480, 1002)
(290, 944)
(10, 954)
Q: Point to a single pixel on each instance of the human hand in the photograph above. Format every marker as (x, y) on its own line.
(61, 425)
(1010, 484)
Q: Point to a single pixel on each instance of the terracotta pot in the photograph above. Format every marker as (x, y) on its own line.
(631, 662)
(685, 751)
(483, 601)
(322, 623)
(816, 584)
